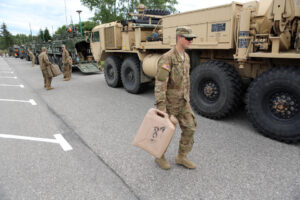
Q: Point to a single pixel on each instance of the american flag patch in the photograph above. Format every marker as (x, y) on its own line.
(166, 67)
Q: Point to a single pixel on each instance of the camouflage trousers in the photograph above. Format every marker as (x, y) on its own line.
(33, 61)
(67, 71)
(187, 122)
(47, 79)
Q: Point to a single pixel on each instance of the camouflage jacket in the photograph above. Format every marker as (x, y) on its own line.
(44, 61)
(30, 54)
(65, 57)
(177, 85)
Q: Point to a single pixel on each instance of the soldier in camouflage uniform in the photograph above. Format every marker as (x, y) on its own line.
(67, 63)
(32, 57)
(44, 64)
(172, 89)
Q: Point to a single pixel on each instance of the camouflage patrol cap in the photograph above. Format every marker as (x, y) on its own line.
(185, 32)
(44, 49)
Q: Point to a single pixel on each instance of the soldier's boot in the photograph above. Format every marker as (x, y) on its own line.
(185, 146)
(181, 159)
(49, 88)
(162, 163)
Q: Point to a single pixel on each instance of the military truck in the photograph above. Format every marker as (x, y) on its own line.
(78, 47)
(245, 53)
(22, 52)
(16, 51)
(10, 51)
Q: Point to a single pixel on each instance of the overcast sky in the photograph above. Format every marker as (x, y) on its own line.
(18, 14)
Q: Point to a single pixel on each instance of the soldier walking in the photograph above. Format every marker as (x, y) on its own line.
(44, 64)
(32, 57)
(67, 63)
(172, 94)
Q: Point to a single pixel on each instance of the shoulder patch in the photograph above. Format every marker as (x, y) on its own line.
(166, 67)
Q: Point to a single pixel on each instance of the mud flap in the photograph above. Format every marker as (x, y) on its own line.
(88, 67)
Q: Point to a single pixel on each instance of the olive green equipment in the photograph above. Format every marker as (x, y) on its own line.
(248, 54)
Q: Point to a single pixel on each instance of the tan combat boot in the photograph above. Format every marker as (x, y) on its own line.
(181, 159)
(163, 163)
(49, 88)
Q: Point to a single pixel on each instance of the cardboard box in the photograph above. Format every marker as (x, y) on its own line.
(155, 132)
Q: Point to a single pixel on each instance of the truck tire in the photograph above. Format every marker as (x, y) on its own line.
(58, 60)
(157, 12)
(112, 68)
(216, 89)
(131, 75)
(36, 60)
(273, 104)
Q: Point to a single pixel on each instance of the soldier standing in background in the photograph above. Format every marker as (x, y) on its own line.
(44, 64)
(172, 94)
(67, 63)
(32, 57)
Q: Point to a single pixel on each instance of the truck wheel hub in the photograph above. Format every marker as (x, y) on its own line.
(211, 90)
(110, 72)
(283, 105)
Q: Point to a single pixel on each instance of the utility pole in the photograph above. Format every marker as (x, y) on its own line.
(66, 12)
(30, 31)
(79, 11)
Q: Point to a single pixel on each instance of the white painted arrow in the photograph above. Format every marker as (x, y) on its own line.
(4, 85)
(22, 101)
(59, 139)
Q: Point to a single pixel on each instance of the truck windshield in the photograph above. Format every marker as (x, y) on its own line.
(95, 36)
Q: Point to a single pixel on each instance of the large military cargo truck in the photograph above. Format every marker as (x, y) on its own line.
(243, 53)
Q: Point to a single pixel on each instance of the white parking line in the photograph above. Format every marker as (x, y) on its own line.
(6, 72)
(59, 139)
(6, 85)
(9, 77)
(22, 101)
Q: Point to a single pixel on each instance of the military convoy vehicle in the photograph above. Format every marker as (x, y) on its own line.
(78, 47)
(243, 53)
(16, 51)
(10, 51)
(22, 52)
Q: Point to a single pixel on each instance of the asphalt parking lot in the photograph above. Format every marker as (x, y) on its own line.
(75, 142)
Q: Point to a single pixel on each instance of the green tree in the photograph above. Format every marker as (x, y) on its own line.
(61, 30)
(6, 39)
(47, 35)
(20, 39)
(112, 10)
(86, 26)
(41, 35)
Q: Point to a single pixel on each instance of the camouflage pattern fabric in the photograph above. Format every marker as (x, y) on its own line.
(67, 64)
(32, 57)
(44, 63)
(172, 95)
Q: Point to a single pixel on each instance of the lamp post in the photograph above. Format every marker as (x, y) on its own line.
(79, 11)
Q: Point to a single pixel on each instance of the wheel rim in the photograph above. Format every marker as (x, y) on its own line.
(283, 105)
(110, 72)
(209, 90)
(129, 76)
